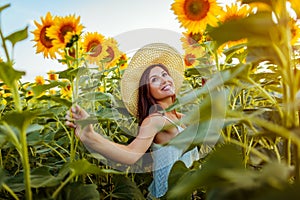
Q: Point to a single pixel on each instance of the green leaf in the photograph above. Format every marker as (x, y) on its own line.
(96, 96)
(178, 170)
(16, 182)
(256, 27)
(4, 7)
(79, 191)
(2, 177)
(124, 188)
(81, 167)
(71, 73)
(39, 89)
(18, 36)
(41, 177)
(8, 74)
(208, 176)
(56, 99)
(20, 120)
(217, 82)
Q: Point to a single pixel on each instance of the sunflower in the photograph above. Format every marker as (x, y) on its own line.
(191, 57)
(230, 44)
(3, 102)
(296, 5)
(29, 93)
(94, 46)
(192, 41)
(65, 31)
(113, 53)
(44, 44)
(123, 61)
(66, 92)
(235, 11)
(52, 76)
(195, 15)
(260, 7)
(232, 12)
(295, 31)
(39, 80)
(52, 92)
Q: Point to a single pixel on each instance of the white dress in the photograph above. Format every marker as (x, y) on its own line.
(164, 158)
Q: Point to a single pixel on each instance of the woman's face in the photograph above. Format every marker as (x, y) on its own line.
(161, 84)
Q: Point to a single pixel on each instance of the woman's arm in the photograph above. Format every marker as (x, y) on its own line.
(127, 154)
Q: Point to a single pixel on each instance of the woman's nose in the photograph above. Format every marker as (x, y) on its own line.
(163, 80)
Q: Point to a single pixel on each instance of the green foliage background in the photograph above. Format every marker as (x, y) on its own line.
(256, 155)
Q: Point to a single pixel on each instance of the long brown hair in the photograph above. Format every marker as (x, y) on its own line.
(146, 103)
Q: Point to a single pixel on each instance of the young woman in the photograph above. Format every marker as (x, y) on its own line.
(148, 87)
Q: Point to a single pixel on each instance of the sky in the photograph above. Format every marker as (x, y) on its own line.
(133, 23)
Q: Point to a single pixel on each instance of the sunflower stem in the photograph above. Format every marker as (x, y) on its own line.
(4, 46)
(26, 166)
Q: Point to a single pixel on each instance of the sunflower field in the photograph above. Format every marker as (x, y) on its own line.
(240, 96)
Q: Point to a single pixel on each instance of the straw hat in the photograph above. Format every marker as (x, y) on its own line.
(154, 53)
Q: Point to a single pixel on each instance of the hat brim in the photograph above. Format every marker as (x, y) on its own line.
(154, 53)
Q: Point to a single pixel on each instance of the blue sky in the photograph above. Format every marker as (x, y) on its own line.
(132, 22)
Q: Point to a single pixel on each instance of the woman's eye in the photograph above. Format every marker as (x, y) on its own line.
(153, 80)
(165, 74)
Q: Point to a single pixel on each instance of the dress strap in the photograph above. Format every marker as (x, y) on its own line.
(179, 128)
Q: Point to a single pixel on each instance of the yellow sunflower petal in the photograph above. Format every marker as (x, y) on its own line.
(94, 46)
(235, 11)
(44, 44)
(195, 15)
(113, 53)
(64, 29)
(39, 80)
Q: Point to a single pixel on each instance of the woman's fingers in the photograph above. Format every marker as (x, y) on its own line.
(70, 124)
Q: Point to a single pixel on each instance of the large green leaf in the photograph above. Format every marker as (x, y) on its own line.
(59, 100)
(81, 167)
(79, 191)
(39, 89)
(20, 120)
(18, 36)
(209, 174)
(16, 182)
(216, 83)
(9, 74)
(124, 188)
(178, 170)
(256, 27)
(41, 177)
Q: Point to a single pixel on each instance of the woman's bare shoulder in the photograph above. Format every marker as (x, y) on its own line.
(154, 120)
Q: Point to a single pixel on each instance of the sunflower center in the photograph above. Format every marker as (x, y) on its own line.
(94, 48)
(111, 54)
(46, 41)
(189, 59)
(64, 30)
(196, 9)
(194, 38)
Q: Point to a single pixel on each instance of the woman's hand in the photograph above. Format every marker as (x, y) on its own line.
(76, 113)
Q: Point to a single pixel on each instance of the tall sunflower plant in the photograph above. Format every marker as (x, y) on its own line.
(245, 54)
(12, 130)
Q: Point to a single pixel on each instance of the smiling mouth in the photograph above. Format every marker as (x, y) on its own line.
(166, 88)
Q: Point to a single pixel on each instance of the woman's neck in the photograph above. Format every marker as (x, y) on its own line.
(165, 103)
